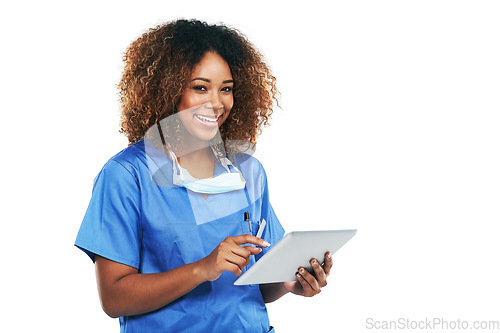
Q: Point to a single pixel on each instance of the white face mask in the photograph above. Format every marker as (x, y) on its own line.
(229, 181)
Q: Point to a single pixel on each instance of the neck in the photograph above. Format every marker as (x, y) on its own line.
(200, 163)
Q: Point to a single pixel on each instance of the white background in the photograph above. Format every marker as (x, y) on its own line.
(389, 123)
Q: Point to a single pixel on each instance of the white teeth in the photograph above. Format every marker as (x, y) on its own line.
(210, 120)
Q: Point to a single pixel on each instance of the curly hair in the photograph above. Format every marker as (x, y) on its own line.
(158, 66)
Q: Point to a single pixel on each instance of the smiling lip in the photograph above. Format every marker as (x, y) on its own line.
(210, 121)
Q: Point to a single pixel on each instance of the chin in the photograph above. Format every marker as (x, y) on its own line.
(206, 136)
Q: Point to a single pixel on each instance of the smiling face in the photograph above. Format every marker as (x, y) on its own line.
(206, 102)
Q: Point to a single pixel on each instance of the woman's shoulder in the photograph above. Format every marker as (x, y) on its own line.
(132, 158)
(246, 161)
(251, 168)
(131, 153)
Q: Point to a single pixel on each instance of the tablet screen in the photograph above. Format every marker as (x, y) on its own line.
(294, 250)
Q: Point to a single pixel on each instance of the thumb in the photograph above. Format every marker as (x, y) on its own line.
(292, 286)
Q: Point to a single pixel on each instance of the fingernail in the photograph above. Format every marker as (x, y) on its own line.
(314, 263)
(266, 244)
(329, 256)
(301, 271)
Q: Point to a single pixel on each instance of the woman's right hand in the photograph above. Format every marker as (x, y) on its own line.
(230, 256)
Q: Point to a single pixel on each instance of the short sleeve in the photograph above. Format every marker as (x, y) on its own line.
(111, 226)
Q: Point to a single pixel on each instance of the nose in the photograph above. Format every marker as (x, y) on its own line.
(216, 103)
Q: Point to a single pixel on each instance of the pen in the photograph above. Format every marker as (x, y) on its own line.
(246, 216)
(262, 225)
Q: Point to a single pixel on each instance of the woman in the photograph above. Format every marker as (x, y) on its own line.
(173, 218)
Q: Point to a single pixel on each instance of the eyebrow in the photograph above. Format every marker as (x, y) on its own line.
(208, 80)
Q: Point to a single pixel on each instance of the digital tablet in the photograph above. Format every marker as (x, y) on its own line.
(294, 250)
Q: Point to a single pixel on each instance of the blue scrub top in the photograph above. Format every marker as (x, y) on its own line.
(137, 218)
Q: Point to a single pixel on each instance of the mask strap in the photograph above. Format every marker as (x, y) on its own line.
(247, 195)
(222, 159)
(225, 162)
(228, 162)
(166, 147)
(174, 159)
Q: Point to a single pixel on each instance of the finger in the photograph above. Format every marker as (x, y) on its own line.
(253, 250)
(242, 253)
(307, 290)
(311, 280)
(248, 239)
(245, 251)
(235, 269)
(319, 273)
(228, 261)
(236, 261)
(305, 286)
(327, 265)
(235, 254)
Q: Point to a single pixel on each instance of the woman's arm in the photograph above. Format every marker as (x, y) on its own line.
(124, 291)
(272, 291)
(306, 285)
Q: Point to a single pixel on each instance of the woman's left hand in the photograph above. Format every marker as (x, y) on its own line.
(308, 284)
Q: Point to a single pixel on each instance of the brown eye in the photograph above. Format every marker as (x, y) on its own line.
(199, 88)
